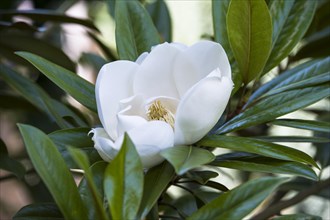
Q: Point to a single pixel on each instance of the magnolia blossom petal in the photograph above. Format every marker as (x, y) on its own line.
(196, 62)
(149, 139)
(114, 83)
(201, 107)
(141, 58)
(154, 77)
(103, 144)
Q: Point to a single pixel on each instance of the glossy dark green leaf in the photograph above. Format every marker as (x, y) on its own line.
(155, 183)
(10, 164)
(258, 147)
(75, 137)
(123, 182)
(305, 75)
(161, 18)
(38, 97)
(19, 42)
(320, 126)
(298, 217)
(291, 20)
(96, 204)
(237, 203)
(135, 32)
(97, 170)
(42, 15)
(249, 33)
(77, 87)
(47, 211)
(303, 139)
(255, 163)
(277, 105)
(92, 60)
(184, 158)
(52, 169)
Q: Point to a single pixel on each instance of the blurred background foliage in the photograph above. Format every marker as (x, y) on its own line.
(79, 36)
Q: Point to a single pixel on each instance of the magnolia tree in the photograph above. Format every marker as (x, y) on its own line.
(147, 144)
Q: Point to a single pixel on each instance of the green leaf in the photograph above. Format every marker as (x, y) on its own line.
(38, 97)
(274, 106)
(184, 158)
(47, 211)
(77, 87)
(75, 137)
(93, 60)
(291, 20)
(14, 41)
(201, 177)
(135, 32)
(255, 163)
(249, 33)
(237, 203)
(52, 169)
(258, 147)
(305, 75)
(161, 18)
(305, 139)
(298, 217)
(123, 182)
(96, 205)
(42, 15)
(97, 170)
(10, 164)
(155, 183)
(319, 126)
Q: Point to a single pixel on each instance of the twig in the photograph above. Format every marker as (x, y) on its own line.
(276, 208)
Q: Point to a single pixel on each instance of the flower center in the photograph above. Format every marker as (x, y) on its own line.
(157, 111)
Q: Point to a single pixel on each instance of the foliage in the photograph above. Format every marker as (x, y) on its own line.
(278, 40)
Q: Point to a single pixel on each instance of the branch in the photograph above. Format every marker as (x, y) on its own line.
(276, 208)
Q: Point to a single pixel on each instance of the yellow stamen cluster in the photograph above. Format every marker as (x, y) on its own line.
(157, 111)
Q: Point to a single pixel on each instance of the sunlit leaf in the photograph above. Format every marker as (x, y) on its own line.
(52, 169)
(77, 87)
(249, 33)
(255, 163)
(123, 182)
(135, 32)
(258, 147)
(184, 158)
(237, 203)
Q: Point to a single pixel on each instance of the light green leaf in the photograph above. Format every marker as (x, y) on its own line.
(290, 22)
(298, 217)
(96, 205)
(38, 97)
(237, 203)
(77, 87)
(39, 211)
(305, 75)
(255, 163)
(319, 126)
(52, 169)
(135, 32)
(155, 183)
(274, 106)
(184, 158)
(75, 137)
(258, 147)
(249, 33)
(123, 182)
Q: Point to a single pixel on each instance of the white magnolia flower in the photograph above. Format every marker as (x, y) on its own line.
(171, 96)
